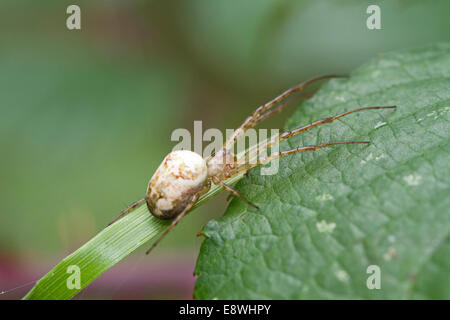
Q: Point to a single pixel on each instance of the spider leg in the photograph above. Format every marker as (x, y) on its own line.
(234, 192)
(276, 155)
(288, 134)
(262, 112)
(175, 221)
(272, 111)
(131, 207)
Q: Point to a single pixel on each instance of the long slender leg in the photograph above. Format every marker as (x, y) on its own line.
(294, 132)
(271, 112)
(131, 207)
(230, 189)
(288, 134)
(276, 155)
(175, 221)
(252, 120)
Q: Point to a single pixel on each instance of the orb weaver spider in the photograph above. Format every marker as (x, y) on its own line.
(184, 176)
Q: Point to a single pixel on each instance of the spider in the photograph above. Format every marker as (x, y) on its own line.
(184, 176)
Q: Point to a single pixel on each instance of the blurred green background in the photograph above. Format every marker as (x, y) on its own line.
(86, 115)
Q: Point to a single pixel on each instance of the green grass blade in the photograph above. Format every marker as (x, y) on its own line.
(106, 249)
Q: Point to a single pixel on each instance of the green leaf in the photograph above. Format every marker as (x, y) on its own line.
(103, 251)
(328, 215)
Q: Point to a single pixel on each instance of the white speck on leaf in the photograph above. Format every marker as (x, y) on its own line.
(390, 253)
(324, 197)
(368, 158)
(323, 226)
(342, 275)
(380, 124)
(391, 238)
(438, 113)
(372, 157)
(412, 179)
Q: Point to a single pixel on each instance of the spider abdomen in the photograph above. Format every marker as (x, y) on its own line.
(181, 174)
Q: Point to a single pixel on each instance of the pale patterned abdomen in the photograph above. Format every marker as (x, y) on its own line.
(181, 174)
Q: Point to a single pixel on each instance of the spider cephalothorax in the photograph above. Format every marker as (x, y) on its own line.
(184, 176)
(221, 164)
